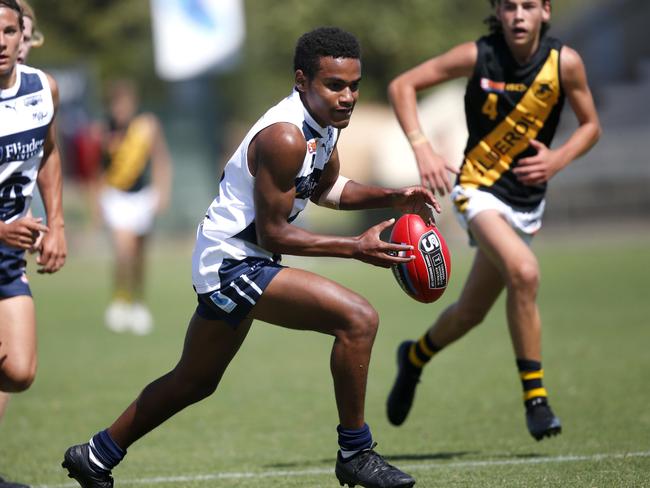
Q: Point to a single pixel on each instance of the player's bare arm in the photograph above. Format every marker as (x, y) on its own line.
(275, 157)
(358, 196)
(161, 168)
(53, 249)
(456, 63)
(547, 162)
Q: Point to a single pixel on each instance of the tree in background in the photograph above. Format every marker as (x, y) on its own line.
(114, 36)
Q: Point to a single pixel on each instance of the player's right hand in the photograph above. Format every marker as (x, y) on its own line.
(433, 169)
(22, 233)
(371, 249)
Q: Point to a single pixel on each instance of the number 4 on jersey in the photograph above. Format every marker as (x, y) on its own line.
(490, 106)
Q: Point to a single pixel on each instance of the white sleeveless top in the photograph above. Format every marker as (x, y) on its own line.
(26, 110)
(228, 229)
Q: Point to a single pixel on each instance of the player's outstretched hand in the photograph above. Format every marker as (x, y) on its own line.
(537, 169)
(433, 169)
(417, 200)
(52, 251)
(371, 249)
(22, 233)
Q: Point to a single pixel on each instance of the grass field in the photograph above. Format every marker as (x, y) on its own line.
(272, 422)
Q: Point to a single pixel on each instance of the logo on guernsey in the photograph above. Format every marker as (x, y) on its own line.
(33, 100)
(501, 87)
(19, 151)
(545, 90)
(39, 116)
(312, 146)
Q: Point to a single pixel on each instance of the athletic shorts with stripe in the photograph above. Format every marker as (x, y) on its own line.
(242, 285)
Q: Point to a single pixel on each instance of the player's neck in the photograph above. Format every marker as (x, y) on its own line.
(8, 80)
(523, 53)
(303, 99)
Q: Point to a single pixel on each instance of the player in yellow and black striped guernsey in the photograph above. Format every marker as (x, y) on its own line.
(518, 78)
(136, 187)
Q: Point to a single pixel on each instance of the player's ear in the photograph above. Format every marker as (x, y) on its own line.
(301, 81)
(546, 11)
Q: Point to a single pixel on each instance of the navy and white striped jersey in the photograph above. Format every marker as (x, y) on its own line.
(228, 229)
(26, 111)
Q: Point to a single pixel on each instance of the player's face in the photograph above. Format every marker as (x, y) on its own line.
(26, 43)
(521, 20)
(123, 108)
(332, 94)
(10, 36)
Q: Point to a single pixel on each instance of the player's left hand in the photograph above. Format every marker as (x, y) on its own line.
(537, 169)
(52, 251)
(417, 200)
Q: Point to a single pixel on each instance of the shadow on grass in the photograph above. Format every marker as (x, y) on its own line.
(435, 456)
(441, 456)
(523, 455)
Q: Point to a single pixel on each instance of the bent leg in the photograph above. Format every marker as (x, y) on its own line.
(482, 287)
(17, 343)
(209, 347)
(520, 271)
(302, 300)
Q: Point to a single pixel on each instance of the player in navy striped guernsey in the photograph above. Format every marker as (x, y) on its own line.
(518, 77)
(286, 159)
(28, 156)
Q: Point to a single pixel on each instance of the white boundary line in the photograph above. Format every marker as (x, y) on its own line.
(329, 471)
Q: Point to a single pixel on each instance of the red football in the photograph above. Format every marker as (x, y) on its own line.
(426, 277)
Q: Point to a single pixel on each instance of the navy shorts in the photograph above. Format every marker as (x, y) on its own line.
(242, 284)
(16, 287)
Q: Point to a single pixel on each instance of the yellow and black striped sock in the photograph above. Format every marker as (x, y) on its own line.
(531, 374)
(421, 351)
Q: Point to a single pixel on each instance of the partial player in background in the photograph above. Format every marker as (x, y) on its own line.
(289, 157)
(136, 186)
(518, 79)
(32, 37)
(29, 156)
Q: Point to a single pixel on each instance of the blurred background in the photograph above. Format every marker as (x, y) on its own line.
(210, 68)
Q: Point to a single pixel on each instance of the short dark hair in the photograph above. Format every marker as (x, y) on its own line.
(14, 5)
(495, 26)
(322, 42)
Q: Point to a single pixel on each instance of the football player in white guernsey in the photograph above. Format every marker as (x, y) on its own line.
(288, 157)
(28, 156)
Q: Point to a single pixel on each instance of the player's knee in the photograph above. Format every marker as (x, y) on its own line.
(362, 321)
(188, 386)
(195, 389)
(202, 390)
(525, 277)
(17, 376)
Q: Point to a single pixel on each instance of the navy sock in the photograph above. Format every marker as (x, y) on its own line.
(105, 454)
(353, 440)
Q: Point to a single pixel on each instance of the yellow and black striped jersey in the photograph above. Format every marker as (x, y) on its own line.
(129, 155)
(507, 105)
